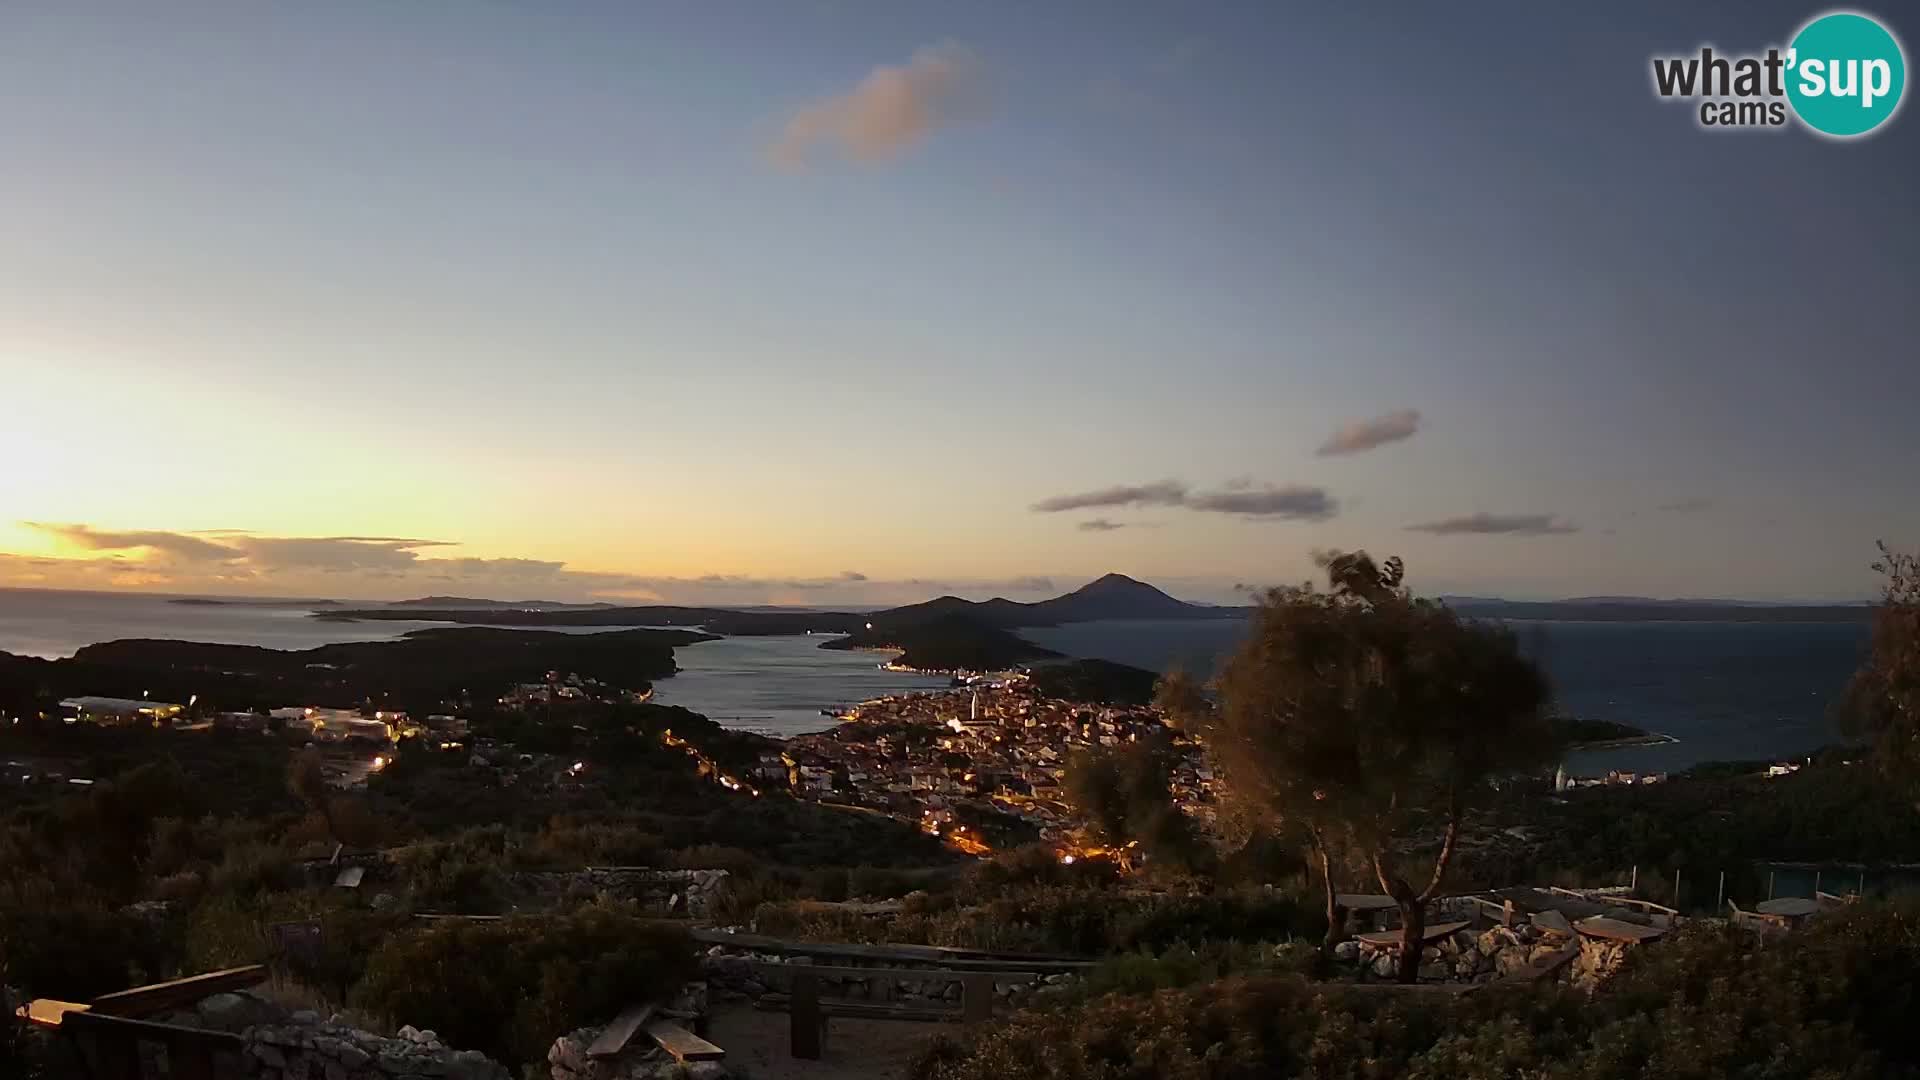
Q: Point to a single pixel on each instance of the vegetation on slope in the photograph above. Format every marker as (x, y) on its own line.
(1832, 1001)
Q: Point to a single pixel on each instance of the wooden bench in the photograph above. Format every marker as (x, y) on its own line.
(660, 1025)
(1390, 939)
(1606, 929)
(1765, 925)
(808, 1014)
(177, 993)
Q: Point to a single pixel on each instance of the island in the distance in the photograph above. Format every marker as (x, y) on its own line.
(415, 672)
(1589, 734)
(944, 634)
(951, 633)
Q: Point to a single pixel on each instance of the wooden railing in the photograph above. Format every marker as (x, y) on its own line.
(110, 1048)
(111, 1042)
(807, 1012)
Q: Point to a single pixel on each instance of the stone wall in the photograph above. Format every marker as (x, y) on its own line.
(337, 1052)
(693, 893)
(298, 1045)
(1598, 959)
(733, 977)
(1481, 956)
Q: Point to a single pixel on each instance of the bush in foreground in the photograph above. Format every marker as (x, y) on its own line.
(1834, 1001)
(508, 988)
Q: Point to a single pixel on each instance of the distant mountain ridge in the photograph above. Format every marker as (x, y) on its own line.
(1111, 596)
(476, 604)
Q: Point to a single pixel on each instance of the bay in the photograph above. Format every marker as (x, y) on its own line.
(1723, 690)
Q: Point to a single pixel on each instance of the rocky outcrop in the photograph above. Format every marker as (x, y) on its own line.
(1598, 960)
(337, 1052)
(1481, 956)
(692, 893)
(278, 1044)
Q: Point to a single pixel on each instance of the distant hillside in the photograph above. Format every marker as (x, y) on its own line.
(468, 602)
(1631, 609)
(717, 620)
(1096, 682)
(417, 671)
(947, 642)
(1114, 596)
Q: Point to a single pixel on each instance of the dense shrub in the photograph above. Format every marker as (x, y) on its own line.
(75, 952)
(1142, 971)
(510, 987)
(466, 875)
(1049, 919)
(1833, 1001)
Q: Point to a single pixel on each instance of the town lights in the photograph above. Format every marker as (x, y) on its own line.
(379, 763)
(1066, 860)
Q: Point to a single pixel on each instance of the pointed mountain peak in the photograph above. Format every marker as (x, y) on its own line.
(1115, 583)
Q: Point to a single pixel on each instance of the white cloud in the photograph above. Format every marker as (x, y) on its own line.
(891, 109)
(1376, 431)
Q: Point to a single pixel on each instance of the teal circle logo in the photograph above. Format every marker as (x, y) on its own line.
(1846, 74)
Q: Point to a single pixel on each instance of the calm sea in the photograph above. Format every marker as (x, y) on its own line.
(1724, 690)
(773, 685)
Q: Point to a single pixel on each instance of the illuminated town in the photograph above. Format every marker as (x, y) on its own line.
(973, 764)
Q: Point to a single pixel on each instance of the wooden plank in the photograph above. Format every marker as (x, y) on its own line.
(46, 1012)
(1391, 938)
(909, 974)
(166, 996)
(350, 877)
(442, 916)
(1600, 926)
(1365, 901)
(902, 954)
(1553, 922)
(684, 1045)
(614, 1038)
(1528, 900)
(881, 1010)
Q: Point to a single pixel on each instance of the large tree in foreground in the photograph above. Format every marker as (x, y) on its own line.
(1883, 700)
(1370, 719)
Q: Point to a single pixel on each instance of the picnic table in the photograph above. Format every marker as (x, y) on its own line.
(1390, 939)
(1600, 926)
(1788, 907)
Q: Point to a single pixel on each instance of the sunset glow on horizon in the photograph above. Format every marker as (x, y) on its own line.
(863, 304)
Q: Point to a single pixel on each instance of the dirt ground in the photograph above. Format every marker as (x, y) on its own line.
(856, 1049)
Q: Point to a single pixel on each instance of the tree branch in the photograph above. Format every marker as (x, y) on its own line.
(1446, 847)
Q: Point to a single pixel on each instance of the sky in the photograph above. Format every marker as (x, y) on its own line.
(818, 301)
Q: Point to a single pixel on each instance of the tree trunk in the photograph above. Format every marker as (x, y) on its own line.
(1336, 915)
(1413, 931)
(1413, 917)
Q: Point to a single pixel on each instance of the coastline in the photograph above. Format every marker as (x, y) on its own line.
(1651, 738)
